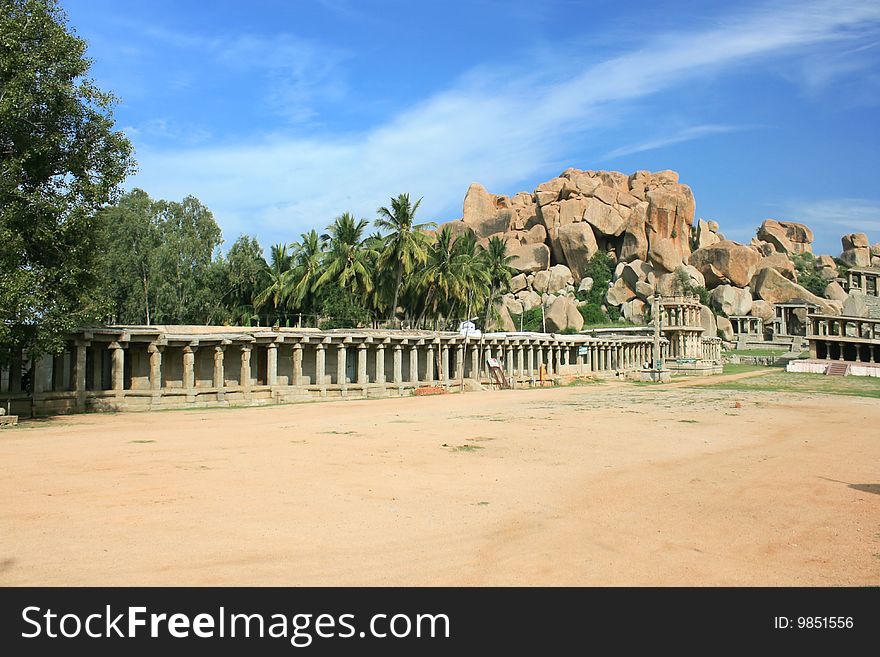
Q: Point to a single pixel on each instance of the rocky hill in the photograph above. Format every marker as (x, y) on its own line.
(645, 223)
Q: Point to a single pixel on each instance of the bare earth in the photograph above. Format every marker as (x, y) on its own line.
(610, 484)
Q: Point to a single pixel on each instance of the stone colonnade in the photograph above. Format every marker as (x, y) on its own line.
(167, 366)
(839, 337)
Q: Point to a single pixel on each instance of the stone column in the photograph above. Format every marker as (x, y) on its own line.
(118, 370)
(530, 360)
(189, 375)
(97, 367)
(520, 358)
(459, 362)
(219, 373)
(79, 375)
(414, 364)
(429, 364)
(58, 383)
(362, 364)
(840, 347)
(341, 353)
(475, 362)
(380, 363)
(551, 366)
(297, 363)
(398, 364)
(871, 350)
(540, 355)
(444, 363)
(508, 365)
(320, 363)
(272, 363)
(245, 373)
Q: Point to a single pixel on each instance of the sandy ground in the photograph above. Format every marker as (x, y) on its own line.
(610, 484)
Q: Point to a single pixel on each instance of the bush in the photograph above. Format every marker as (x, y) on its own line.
(532, 320)
(808, 273)
(592, 314)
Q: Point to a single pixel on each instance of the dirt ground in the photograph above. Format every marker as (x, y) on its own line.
(607, 484)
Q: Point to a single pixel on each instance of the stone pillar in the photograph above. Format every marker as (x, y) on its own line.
(219, 373)
(429, 364)
(97, 367)
(444, 363)
(508, 364)
(398, 364)
(118, 370)
(189, 375)
(871, 352)
(459, 362)
(341, 353)
(380, 363)
(362, 364)
(414, 364)
(840, 346)
(272, 363)
(530, 360)
(79, 375)
(549, 361)
(320, 363)
(58, 383)
(540, 358)
(520, 360)
(155, 352)
(475, 362)
(245, 373)
(297, 363)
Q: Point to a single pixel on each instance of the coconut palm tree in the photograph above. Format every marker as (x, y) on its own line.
(278, 276)
(348, 260)
(307, 255)
(470, 264)
(497, 268)
(405, 244)
(441, 280)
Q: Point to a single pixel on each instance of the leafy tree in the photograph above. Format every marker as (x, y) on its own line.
(808, 275)
(406, 244)
(189, 237)
(60, 161)
(307, 256)
(278, 285)
(243, 276)
(348, 262)
(498, 271)
(129, 241)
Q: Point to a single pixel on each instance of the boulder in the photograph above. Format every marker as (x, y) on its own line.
(644, 290)
(855, 241)
(773, 287)
(578, 244)
(549, 191)
(541, 281)
(780, 263)
(762, 309)
(670, 284)
(725, 328)
(485, 213)
(518, 282)
(856, 305)
(762, 247)
(665, 255)
(834, 291)
(726, 263)
(606, 219)
(708, 322)
(634, 311)
(619, 293)
(786, 236)
(731, 300)
(586, 284)
(537, 234)
(530, 257)
(670, 216)
(705, 236)
(560, 277)
(635, 237)
(529, 299)
(503, 322)
(562, 314)
(512, 304)
(635, 271)
(457, 228)
(713, 226)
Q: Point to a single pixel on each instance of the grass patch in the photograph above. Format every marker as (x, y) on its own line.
(574, 383)
(730, 368)
(755, 352)
(690, 421)
(462, 448)
(141, 441)
(811, 384)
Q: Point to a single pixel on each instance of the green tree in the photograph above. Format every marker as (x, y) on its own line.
(308, 255)
(189, 238)
(347, 263)
(405, 244)
(60, 161)
(244, 274)
(278, 286)
(808, 275)
(130, 233)
(498, 271)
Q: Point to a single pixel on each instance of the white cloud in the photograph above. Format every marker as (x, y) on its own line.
(496, 127)
(687, 134)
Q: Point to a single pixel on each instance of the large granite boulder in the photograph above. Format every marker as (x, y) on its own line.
(856, 250)
(485, 213)
(529, 299)
(835, 292)
(635, 237)
(457, 228)
(503, 322)
(780, 263)
(619, 293)
(705, 235)
(560, 277)
(578, 244)
(665, 254)
(762, 309)
(725, 328)
(634, 311)
(562, 314)
(786, 236)
(606, 219)
(670, 214)
(772, 287)
(726, 263)
(635, 271)
(518, 282)
(512, 304)
(541, 281)
(731, 300)
(708, 322)
(530, 257)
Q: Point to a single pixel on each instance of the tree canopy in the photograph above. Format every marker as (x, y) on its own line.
(60, 161)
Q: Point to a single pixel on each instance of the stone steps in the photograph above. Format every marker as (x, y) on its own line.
(837, 369)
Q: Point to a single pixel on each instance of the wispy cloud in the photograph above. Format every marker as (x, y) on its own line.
(499, 127)
(687, 134)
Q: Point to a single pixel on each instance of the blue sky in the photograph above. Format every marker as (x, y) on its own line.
(280, 115)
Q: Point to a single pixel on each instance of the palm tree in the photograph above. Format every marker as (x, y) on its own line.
(470, 263)
(307, 255)
(406, 245)
(348, 260)
(279, 276)
(497, 268)
(441, 280)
